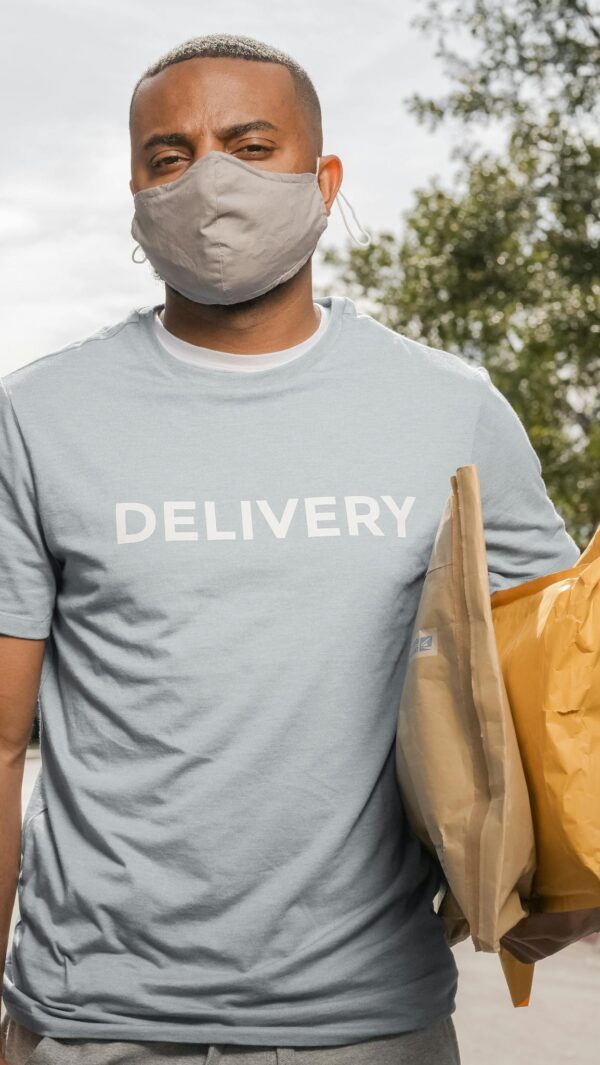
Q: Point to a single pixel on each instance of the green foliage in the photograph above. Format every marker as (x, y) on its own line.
(504, 268)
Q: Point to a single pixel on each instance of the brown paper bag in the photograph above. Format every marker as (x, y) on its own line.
(457, 759)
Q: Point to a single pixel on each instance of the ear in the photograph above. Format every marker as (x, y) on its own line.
(331, 173)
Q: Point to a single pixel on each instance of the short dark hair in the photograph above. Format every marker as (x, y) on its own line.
(234, 46)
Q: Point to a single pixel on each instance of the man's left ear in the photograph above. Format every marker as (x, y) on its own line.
(331, 174)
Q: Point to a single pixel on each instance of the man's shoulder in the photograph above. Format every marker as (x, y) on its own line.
(55, 368)
(432, 361)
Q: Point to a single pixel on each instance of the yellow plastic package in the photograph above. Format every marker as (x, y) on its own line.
(548, 638)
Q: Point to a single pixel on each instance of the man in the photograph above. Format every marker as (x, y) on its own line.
(216, 516)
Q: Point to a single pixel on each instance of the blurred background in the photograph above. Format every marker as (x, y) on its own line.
(470, 138)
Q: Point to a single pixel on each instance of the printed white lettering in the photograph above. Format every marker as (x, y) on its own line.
(171, 519)
(123, 537)
(212, 533)
(247, 527)
(362, 513)
(401, 514)
(366, 519)
(312, 518)
(280, 528)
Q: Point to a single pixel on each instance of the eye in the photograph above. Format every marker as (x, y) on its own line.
(167, 159)
(254, 149)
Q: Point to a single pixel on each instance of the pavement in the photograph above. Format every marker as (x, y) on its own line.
(561, 1023)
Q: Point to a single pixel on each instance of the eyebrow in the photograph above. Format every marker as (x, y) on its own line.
(172, 140)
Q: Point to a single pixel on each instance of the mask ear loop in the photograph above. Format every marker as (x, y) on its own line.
(361, 243)
(133, 255)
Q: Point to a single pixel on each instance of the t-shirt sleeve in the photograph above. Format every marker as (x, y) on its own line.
(27, 568)
(524, 533)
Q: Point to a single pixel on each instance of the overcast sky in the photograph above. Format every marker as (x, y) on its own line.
(68, 69)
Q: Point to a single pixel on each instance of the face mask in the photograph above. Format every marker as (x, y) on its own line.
(226, 231)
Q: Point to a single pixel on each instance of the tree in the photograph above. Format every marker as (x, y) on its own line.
(504, 267)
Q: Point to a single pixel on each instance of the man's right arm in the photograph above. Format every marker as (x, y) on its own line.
(20, 673)
(28, 589)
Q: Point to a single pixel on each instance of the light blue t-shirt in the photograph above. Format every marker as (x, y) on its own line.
(226, 568)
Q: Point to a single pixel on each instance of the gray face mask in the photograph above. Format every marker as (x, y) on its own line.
(226, 231)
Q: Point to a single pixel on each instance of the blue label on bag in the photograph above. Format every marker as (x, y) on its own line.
(424, 643)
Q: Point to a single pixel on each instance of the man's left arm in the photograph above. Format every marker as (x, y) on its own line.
(525, 535)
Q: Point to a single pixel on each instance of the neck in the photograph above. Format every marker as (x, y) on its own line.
(279, 319)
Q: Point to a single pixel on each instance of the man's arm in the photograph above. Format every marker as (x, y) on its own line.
(525, 535)
(28, 588)
(20, 672)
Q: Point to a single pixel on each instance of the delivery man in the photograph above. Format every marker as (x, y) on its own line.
(216, 516)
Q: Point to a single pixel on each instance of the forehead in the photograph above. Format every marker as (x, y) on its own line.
(216, 90)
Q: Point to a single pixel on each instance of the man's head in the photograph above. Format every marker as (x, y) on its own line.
(228, 93)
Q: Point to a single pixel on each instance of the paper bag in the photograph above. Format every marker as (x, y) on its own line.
(458, 765)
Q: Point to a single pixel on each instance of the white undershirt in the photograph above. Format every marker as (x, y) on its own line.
(226, 360)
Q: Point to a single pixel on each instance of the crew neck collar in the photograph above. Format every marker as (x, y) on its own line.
(218, 380)
(219, 359)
